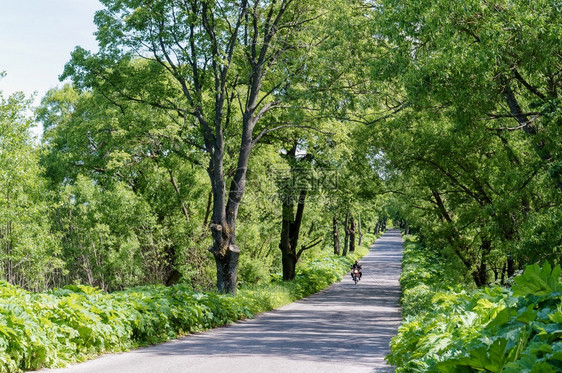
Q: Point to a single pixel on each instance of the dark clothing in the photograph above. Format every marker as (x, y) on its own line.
(356, 266)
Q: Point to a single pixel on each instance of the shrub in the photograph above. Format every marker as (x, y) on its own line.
(492, 329)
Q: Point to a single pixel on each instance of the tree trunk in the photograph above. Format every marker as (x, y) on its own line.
(227, 270)
(290, 231)
(223, 220)
(359, 230)
(336, 237)
(352, 228)
(480, 275)
(346, 238)
(504, 270)
(226, 255)
(510, 267)
(289, 263)
(287, 260)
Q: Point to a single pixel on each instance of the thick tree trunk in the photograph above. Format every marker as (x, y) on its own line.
(225, 211)
(352, 229)
(336, 236)
(287, 252)
(227, 270)
(226, 255)
(289, 263)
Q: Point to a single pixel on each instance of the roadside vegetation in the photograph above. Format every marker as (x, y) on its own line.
(449, 327)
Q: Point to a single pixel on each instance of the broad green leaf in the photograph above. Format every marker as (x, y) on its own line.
(538, 281)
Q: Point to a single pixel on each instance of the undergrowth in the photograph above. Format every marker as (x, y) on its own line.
(450, 329)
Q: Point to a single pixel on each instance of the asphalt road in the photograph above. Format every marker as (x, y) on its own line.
(345, 328)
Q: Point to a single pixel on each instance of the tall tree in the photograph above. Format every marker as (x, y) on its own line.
(211, 65)
(335, 235)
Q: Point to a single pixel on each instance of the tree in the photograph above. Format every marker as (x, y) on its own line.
(494, 64)
(210, 65)
(29, 252)
(88, 137)
(294, 188)
(472, 104)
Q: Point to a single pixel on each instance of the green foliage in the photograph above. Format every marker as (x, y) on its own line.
(466, 132)
(538, 281)
(29, 253)
(252, 271)
(131, 209)
(73, 323)
(110, 236)
(423, 274)
(493, 329)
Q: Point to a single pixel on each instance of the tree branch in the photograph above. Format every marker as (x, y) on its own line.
(308, 247)
(527, 85)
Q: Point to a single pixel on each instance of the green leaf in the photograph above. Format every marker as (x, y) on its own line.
(557, 316)
(527, 314)
(537, 281)
(502, 318)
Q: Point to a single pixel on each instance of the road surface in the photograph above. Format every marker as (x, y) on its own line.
(345, 328)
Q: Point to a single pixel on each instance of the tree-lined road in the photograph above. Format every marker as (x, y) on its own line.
(346, 328)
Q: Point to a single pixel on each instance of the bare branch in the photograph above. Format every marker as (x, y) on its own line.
(523, 126)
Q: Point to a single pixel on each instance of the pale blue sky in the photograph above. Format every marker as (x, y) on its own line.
(36, 38)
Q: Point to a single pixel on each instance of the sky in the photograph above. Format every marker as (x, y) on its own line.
(36, 38)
